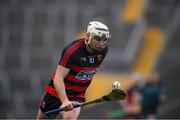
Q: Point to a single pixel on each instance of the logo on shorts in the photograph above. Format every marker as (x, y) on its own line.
(43, 104)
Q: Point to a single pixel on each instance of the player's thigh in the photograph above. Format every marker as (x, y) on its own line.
(41, 116)
(73, 114)
(48, 102)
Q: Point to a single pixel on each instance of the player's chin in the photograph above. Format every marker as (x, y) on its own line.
(98, 50)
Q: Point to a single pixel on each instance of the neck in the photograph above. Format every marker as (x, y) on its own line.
(88, 48)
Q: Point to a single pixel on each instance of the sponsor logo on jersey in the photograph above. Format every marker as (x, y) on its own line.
(85, 74)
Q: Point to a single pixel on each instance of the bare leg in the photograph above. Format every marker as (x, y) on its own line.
(71, 115)
(41, 116)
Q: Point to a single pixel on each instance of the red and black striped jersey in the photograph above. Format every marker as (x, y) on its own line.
(82, 64)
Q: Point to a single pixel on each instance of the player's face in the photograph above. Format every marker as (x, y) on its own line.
(98, 43)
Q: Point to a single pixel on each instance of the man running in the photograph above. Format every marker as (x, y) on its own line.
(79, 62)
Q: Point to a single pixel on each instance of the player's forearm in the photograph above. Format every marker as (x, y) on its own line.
(60, 89)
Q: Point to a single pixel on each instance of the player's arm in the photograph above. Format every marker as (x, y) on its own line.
(67, 60)
(60, 74)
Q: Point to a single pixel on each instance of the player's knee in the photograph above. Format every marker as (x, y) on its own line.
(70, 116)
(40, 115)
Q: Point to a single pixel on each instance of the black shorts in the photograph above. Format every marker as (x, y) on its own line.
(49, 102)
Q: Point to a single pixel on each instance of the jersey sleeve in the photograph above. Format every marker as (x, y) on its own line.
(67, 58)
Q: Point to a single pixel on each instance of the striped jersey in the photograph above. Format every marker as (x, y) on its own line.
(82, 64)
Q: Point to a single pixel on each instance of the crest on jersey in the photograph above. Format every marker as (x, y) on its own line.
(100, 57)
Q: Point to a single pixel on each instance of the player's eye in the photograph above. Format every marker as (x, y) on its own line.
(98, 38)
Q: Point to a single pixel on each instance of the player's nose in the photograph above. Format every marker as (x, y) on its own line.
(101, 42)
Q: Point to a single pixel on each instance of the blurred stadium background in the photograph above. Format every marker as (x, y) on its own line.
(33, 33)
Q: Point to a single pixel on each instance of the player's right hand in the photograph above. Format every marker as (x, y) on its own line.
(68, 105)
